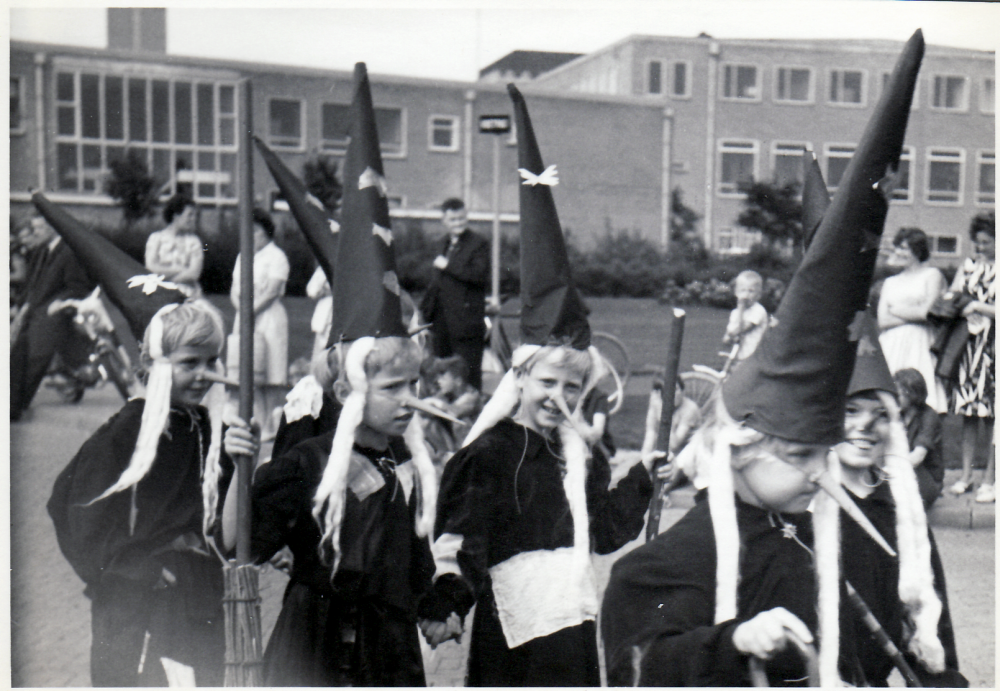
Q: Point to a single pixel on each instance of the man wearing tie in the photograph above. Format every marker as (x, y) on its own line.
(54, 274)
(456, 298)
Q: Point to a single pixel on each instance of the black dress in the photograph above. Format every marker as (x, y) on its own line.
(875, 575)
(503, 494)
(306, 427)
(123, 568)
(361, 629)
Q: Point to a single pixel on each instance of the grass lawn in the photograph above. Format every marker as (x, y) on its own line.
(641, 324)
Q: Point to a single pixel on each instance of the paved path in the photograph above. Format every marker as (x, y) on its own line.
(50, 617)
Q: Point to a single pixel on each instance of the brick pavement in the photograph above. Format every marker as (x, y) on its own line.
(50, 619)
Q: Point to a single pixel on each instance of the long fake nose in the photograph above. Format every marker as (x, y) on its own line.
(219, 379)
(833, 488)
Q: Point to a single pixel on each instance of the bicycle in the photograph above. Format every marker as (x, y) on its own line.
(700, 383)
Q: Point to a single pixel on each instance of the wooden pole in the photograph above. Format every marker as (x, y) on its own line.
(241, 601)
(666, 417)
(495, 269)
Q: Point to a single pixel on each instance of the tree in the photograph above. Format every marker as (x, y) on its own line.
(320, 176)
(773, 210)
(684, 228)
(132, 187)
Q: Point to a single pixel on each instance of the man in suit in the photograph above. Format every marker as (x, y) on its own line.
(53, 274)
(456, 298)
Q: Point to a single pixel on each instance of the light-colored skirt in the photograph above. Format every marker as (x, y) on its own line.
(909, 345)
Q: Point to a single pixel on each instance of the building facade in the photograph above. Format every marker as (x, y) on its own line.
(743, 109)
(624, 125)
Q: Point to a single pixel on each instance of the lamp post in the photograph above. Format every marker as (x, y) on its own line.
(495, 125)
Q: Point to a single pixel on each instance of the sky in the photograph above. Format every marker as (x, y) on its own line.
(454, 39)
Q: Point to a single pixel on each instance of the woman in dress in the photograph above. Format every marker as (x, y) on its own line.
(972, 392)
(270, 273)
(902, 312)
(176, 252)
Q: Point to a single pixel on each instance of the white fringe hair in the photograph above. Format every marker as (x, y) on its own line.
(426, 476)
(725, 528)
(916, 578)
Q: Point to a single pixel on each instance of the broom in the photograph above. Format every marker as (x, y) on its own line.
(241, 598)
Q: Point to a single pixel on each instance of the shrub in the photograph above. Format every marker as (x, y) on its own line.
(132, 187)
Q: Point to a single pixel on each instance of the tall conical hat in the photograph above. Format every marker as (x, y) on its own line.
(126, 282)
(871, 371)
(815, 197)
(314, 220)
(794, 385)
(365, 285)
(551, 308)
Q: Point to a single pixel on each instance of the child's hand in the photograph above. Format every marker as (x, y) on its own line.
(437, 632)
(241, 439)
(770, 632)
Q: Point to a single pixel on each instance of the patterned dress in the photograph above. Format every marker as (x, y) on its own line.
(973, 392)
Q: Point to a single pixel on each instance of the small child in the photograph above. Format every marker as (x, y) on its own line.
(135, 510)
(454, 395)
(923, 432)
(749, 320)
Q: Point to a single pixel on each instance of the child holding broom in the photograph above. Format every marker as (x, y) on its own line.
(135, 509)
(356, 504)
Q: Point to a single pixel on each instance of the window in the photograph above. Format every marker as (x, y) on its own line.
(680, 86)
(986, 169)
(987, 96)
(787, 163)
(736, 240)
(904, 187)
(944, 244)
(443, 133)
(654, 77)
(950, 93)
(793, 85)
(285, 123)
(837, 157)
(944, 176)
(847, 87)
(915, 103)
(737, 164)
(336, 122)
(16, 105)
(740, 82)
(183, 128)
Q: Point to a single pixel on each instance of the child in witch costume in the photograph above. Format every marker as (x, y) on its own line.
(355, 505)
(135, 510)
(750, 573)
(524, 503)
(906, 595)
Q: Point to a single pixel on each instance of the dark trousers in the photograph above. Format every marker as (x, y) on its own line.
(41, 338)
(471, 350)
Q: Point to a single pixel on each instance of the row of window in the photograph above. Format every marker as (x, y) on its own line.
(944, 178)
(739, 240)
(798, 85)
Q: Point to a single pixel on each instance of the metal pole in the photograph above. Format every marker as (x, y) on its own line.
(495, 297)
(246, 200)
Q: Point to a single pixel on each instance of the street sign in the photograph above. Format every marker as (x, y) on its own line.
(494, 124)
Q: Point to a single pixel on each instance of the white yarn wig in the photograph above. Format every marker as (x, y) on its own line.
(194, 322)
(728, 441)
(357, 360)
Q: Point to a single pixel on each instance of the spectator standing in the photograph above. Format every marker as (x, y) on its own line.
(902, 311)
(176, 252)
(923, 432)
(749, 320)
(36, 336)
(270, 274)
(973, 391)
(455, 302)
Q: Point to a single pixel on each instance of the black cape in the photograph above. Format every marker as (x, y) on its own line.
(291, 433)
(123, 568)
(504, 494)
(372, 601)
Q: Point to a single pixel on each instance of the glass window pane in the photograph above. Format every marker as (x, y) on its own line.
(389, 123)
(227, 166)
(988, 178)
(787, 170)
(161, 166)
(65, 90)
(66, 162)
(747, 77)
(161, 111)
(944, 177)
(285, 122)
(227, 99)
(956, 90)
(227, 131)
(66, 117)
(799, 85)
(680, 79)
(441, 133)
(852, 87)
(947, 244)
(902, 190)
(90, 106)
(15, 103)
(835, 168)
(114, 120)
(206, 115)
(91, 168)
(182, 112)
(737, 168)
(137, 110)
(654, 86)
(206, 160)
(183, 165)
(336, 122)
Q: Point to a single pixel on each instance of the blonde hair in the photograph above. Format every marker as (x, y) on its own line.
(751, 277)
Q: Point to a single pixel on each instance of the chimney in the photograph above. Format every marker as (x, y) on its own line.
(139, 29)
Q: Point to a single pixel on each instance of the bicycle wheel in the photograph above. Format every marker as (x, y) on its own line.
(117, 371)
(699, 386)
(616, 354)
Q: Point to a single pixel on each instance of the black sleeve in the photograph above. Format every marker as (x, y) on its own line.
(475, 269)
(281, 493)
(616, 515)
